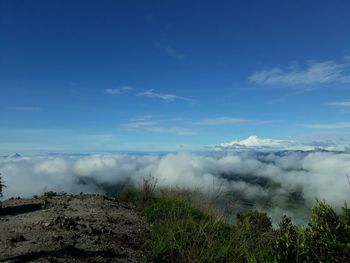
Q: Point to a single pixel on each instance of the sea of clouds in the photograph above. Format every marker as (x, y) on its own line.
(313, 174)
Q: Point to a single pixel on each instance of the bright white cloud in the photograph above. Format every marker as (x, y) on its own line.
(314, 73)
(119, 91)
(166, 97)
(253, 142)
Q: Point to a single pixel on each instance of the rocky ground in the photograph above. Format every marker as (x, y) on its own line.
(80, 228)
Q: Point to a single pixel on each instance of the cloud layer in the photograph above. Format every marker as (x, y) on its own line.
(248, 175)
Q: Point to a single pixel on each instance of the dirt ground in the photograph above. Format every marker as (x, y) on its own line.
(80, 228)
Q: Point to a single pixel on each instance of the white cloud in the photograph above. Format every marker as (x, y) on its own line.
(253, 142)
(119, 91)
(166, 97)
(314, 73)
(335, 125)
(25, 108)
(340, 103)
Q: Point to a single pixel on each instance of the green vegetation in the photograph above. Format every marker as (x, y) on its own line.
(326, 239)
(182, 232)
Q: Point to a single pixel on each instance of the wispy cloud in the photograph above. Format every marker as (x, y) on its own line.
(314, 73)
(33, 131)
(335, 125)
(25, 108)
(166, 97)
(119, 91)
(183, 126)
(170, 51)
(150, 123)
(344, 111)
(229, 121)
(340, 103)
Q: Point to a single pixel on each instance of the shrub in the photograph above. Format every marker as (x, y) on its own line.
(140, 196)
(129, 194)
(51, 194)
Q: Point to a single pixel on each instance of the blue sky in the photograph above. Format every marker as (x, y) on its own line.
(172, 75)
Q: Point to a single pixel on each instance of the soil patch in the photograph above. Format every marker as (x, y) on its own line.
(66, 228)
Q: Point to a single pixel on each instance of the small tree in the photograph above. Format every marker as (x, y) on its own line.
(1, 186)
(289, 243)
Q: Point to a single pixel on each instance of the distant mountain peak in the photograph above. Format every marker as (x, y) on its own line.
(15, 155)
